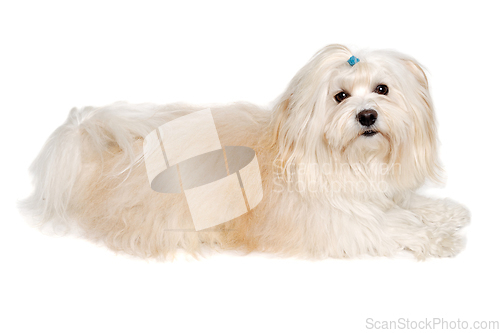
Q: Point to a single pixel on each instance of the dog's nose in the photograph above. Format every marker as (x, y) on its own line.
(367, 117)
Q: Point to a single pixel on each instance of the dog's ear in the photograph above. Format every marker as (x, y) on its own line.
(418, 72)
(297, 114)
(425, 142)
(306, 96)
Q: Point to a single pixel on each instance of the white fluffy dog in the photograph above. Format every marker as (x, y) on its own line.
(341, 153)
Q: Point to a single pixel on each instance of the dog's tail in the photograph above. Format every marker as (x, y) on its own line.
(55, 170)
(57, 167)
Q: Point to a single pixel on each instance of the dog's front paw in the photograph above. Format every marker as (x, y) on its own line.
(446, 244)
(444, 214)
(457, 214)
(437, 242)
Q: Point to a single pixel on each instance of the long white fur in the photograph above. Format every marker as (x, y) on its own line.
(318, 170)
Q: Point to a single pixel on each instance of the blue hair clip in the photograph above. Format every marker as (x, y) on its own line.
(353, 60)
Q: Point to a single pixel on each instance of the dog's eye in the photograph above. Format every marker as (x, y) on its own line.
(382, 89)
(341, 96)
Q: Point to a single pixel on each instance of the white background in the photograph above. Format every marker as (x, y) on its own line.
(56, 55)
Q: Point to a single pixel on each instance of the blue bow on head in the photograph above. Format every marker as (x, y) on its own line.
(353, 60)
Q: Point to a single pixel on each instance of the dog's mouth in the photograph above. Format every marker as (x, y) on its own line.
(369, 133)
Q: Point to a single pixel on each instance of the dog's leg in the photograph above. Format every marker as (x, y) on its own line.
(440, 213)
(428, 227)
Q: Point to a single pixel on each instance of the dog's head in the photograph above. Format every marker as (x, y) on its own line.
(377, 110)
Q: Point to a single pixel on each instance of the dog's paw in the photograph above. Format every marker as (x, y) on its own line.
(456, 214)
(446, 245)
(438, 242)
(444, 214)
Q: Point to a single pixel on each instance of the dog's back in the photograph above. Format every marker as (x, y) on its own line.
(91, 177)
